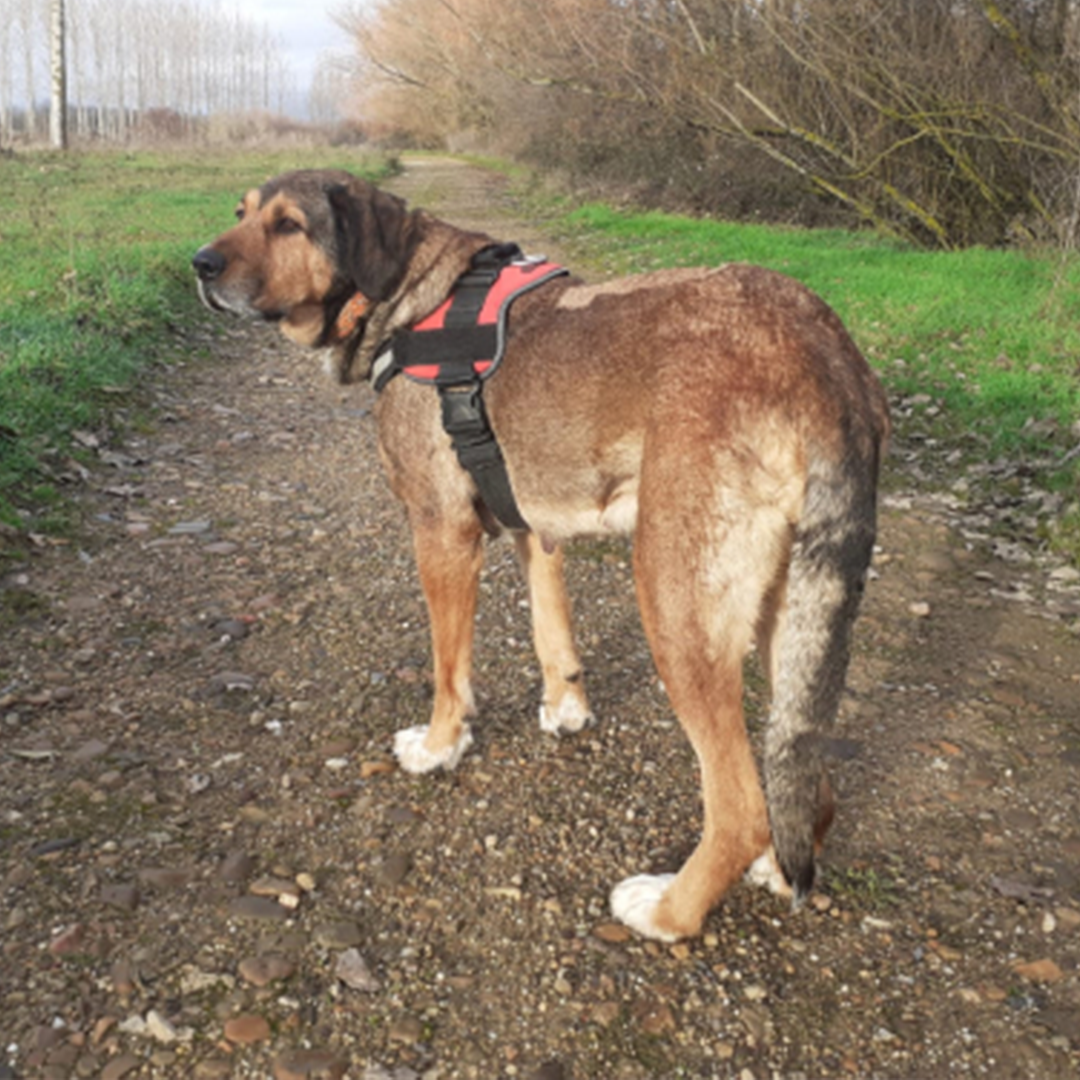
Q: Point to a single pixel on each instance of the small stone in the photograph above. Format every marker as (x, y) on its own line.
(368, 769)
(120, 1067)
(613, 933)
(274, 886)
(123, 978)
(1049, 922)
(919, 608)
(1069, 917)
(69, 940)
(165, 877)
(352, 970)
(406, 1030)
(194, 980)
(263, 970)
(236, 866)
(158, 1027)
(654, 1018)
(338, 935)
(90, 750)
(124, 896)
(247, 1028)
(189, 528)
(309, 1065)
(101, 1028)
(820, 902)
(306, 882)
(1043, 971)
(221, 547)
(605, 1014)
(260, 908)
(213, 1069)
(395, 867)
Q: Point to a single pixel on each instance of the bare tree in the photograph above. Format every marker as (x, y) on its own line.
(943, 121)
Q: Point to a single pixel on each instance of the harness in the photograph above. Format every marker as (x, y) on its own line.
(456, 349)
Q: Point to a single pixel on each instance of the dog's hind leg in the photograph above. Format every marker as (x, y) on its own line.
(564, 706)
(449, 559)
(700, 586)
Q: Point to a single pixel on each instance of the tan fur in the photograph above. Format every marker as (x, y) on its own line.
(723, 416)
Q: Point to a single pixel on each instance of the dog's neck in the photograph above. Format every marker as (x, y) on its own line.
(442, 256)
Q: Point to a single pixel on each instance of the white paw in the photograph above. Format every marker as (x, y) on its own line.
(634, 902)
(766, 872)
(414, 757)
(571, 714)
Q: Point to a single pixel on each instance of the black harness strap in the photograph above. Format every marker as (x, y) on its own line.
(452, 350)
(466, 422)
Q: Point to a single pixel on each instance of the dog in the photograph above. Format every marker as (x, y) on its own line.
(722, 416)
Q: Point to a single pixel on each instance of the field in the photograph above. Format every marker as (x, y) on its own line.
(981, 348)
(96, 280)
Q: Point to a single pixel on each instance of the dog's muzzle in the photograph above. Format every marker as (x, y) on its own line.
(209, 263)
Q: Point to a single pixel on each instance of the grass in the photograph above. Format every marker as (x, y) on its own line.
(980, 349)
(95, 252)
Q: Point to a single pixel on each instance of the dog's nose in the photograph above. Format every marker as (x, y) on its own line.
(208, 263)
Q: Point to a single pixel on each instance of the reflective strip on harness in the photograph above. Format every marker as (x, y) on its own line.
(445, 350)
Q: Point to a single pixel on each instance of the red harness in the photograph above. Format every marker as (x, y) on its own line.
(456, 348)
(464, 338)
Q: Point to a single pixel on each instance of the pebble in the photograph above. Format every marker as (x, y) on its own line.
(919, 608)
(189, 528)
(165, 877)
(120, 1066)
(158, 1027)
(247, 1028)
(406, 1030)
(262, 970)
(261, 908)
(394, 868)
(309, 1065)
(338, 935)
(613, 933)
(236, 866)
(274, 886)
(352, 970)
(68, 941)
(1043, 971)
(213, 1069)
(124, 896)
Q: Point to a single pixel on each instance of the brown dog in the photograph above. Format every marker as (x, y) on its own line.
(723, 416)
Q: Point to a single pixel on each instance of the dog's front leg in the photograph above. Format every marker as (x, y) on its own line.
(564, 706)
(449, 559)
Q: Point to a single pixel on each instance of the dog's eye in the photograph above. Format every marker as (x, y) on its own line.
(239, 213)
(286, 226)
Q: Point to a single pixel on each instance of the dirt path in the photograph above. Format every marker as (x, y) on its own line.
(210, 867)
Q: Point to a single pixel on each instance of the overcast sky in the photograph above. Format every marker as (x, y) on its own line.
(304, 29)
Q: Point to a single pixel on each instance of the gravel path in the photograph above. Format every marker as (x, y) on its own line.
(211, 868)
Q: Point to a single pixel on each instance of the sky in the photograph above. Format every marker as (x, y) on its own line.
(304, 30)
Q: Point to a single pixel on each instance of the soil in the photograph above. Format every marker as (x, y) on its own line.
(211, 866)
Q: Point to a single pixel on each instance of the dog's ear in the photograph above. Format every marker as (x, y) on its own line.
(375, 237)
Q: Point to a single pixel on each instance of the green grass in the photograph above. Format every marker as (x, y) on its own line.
(95, 281)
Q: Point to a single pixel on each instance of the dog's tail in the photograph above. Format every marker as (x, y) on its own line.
(831, 551)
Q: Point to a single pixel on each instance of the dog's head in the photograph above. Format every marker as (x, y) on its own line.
(312, 251)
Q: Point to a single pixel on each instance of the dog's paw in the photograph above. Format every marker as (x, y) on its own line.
(571, 714)
(414, 757)
(765, 871)
(634, 902)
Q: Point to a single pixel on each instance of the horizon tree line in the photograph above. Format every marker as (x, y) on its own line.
(132, 63)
